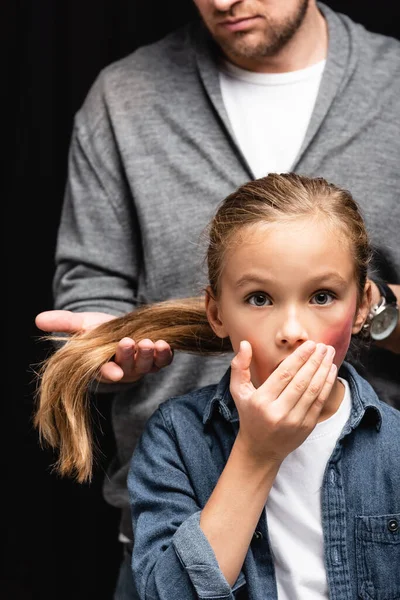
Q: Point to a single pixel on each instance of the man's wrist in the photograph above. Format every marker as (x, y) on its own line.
(383, 321)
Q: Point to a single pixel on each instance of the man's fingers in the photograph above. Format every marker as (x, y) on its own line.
(59, 320)
(125, 354)
(131, 362)
(66, 321)
(144, 358)
(163, 354)
(111, 373)
(134, 360)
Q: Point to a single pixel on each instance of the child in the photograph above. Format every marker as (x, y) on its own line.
(283, 479)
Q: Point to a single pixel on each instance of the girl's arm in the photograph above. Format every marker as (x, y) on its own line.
(172, 559)
(182, 551)
(230, 517)
(274, 420)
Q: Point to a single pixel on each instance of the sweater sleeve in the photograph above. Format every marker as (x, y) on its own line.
(172, 557)
(98, 244)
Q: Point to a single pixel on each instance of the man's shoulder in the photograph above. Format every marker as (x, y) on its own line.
(153, 60)
(130, 86)
(368, 50)
(378, 46)
(372, 43)
(151, 73)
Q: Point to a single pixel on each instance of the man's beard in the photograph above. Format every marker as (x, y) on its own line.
(278, 35)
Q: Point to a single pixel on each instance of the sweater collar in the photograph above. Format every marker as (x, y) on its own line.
(341, 59)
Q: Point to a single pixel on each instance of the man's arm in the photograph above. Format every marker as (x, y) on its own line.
(98, 254)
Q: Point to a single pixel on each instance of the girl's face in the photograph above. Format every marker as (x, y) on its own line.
(283, 284)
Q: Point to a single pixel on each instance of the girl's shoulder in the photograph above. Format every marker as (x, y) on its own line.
(191, 406)
(364, 397)
(391, 414)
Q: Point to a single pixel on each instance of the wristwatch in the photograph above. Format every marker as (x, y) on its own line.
(384, 316)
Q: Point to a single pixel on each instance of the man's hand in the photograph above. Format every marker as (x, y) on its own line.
(131, 360)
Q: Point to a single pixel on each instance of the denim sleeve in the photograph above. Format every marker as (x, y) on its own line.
(172, 557)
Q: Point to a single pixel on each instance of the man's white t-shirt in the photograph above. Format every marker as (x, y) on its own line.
(294, 511)
(269, 113)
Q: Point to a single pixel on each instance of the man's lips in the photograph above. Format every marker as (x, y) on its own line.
(240, 24)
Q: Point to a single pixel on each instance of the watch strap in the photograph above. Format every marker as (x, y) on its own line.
(386, 292)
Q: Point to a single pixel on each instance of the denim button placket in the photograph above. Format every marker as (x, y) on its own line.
(393, 525)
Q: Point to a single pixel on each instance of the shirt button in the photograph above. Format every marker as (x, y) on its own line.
(257, 535)
(393, 525)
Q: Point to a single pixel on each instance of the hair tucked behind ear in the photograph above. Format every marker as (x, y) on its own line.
(63, 412)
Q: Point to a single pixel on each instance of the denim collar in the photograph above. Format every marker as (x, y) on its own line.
(365, 403)
(222, 400)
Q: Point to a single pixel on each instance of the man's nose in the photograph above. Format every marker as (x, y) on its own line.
(224, 6)
(292, 330)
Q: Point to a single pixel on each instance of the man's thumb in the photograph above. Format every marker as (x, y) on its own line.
(59, 320)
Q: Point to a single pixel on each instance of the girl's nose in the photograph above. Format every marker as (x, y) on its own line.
(292, 331)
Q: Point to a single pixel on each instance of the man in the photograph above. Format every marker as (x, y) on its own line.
(166, 133)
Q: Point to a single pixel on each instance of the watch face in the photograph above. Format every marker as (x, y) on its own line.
(384, 323)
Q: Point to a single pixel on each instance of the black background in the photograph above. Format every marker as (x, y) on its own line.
(59, 539)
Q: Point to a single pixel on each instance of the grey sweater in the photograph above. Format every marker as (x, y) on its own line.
(152, 154)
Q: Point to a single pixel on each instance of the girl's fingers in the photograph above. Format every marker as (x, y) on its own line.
(240, 383)
(304, 381)
(318, 404)
(317, 391)
(287, 370)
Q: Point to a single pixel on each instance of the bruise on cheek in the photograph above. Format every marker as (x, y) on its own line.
(339, 337)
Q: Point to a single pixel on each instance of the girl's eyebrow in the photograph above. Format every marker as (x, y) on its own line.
(331, 278)
(252, 279)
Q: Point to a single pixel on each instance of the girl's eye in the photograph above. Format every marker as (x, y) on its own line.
(322, 298)
(259, 299)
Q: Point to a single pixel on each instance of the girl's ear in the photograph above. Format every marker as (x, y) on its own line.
(213, 314)
(363, 309)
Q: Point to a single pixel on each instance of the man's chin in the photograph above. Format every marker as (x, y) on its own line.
(245, 47)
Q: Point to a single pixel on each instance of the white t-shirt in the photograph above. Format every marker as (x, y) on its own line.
(270, 113)
(294, 511)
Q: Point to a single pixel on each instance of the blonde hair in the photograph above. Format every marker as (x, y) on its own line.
(65, 377)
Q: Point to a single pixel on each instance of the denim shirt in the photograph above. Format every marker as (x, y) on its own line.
(176, 466)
